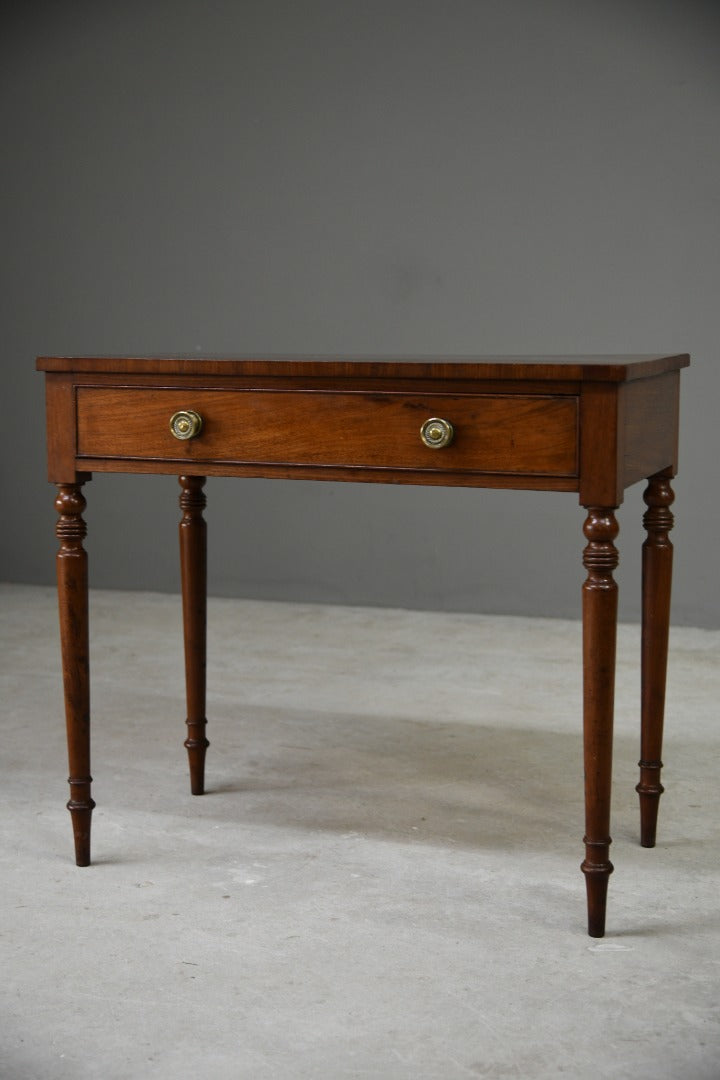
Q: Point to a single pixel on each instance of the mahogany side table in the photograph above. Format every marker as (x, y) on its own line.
(591, 425)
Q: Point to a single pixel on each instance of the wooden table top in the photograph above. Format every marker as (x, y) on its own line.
(580, 368)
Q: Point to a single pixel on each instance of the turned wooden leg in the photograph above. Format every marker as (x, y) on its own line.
(599, 636)
(193, 569)
(656, 586)
(72, 581)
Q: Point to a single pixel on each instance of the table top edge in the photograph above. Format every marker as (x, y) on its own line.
(581, 368)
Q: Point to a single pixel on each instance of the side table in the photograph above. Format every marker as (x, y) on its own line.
(591, 425)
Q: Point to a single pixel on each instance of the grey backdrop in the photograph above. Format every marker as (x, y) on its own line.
(508, 176)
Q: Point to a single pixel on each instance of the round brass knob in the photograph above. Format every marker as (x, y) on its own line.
(437, 433)
(186, 424)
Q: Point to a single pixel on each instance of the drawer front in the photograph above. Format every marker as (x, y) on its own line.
(497, 433)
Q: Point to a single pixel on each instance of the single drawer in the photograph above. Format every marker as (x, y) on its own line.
(526, 434)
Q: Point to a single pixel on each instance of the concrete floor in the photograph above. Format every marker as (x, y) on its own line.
(383, 880)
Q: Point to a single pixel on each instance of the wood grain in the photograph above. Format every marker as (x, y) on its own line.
(600, 599)
(535, 435)
(651, 422)
(72, 584)
(657, 559)
(193, 573)
(592, 368)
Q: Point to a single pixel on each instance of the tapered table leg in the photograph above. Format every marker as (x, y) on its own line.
(72, 583)
(656, 587)
(599, 643)
(193, 568)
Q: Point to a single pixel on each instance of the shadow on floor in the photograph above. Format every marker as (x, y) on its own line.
(394, 778)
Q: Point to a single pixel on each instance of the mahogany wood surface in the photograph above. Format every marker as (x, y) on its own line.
(650, 425)
(600, 599)
(657, 558)
(72, 582)
(511, 433)
(193, 575)
(592, 425)
(552, 368)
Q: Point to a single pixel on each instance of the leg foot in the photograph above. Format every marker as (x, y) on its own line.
(597, 874)
(81, 806)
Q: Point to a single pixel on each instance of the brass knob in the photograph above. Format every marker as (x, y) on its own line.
(186, 424)
(437, 433)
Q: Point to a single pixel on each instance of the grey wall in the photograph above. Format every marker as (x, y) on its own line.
(508, 176)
